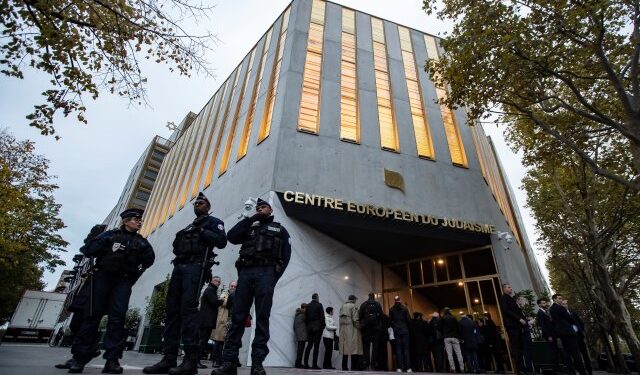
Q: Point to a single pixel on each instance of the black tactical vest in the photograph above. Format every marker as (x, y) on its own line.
(265, 245)
(188, 243)
(121, 256)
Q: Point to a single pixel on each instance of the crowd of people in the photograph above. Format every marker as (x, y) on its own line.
(364, 331)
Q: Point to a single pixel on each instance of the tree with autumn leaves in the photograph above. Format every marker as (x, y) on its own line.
(539, 59)
(29, 222)
(86, 47)
(562, 78)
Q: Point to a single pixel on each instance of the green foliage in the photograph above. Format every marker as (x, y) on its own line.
(87, 46)
(29, 222)
(132, 320)
(528, 307)
(156, 305)
(545, 61)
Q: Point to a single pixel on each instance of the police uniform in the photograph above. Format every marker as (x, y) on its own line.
(264, 255)
(193, 248)
(121, 257)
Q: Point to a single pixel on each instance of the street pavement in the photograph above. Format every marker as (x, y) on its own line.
(38, 359)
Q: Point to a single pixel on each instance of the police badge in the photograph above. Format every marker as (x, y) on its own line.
(115, 247)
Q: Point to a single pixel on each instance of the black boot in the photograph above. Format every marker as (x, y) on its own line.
(189, 365)
(201, 365)
(65, 366)
(227, 368)
(257, 369)
(77, 366)
(112, 367)
(162, 367)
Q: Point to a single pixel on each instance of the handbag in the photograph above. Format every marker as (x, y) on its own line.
(336, 342)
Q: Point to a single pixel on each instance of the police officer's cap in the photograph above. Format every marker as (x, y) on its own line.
(262, 202)
(201, 197)
(132, 212)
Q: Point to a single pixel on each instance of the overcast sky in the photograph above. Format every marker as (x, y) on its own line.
(92, 162)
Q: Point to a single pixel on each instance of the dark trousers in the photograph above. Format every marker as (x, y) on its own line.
(216, 356)
(182, 309)
(585, 355)
(300, 353)
(493, 351)
(111, 294)
(515, 343)
(205, 333)
(76, 322)
(471, 357)
(328, 352)
(254, 283)
(314, 342)
(370, 347)
(403, 358)
(574, 359)
(527, 349)
(437, 350)
(355, 363)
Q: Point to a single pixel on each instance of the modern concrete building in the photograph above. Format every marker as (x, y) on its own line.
(331, 117)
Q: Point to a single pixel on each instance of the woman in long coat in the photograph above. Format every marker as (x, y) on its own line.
(350, 338)
(300, 331)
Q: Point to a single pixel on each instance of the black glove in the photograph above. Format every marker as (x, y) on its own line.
(258, 217)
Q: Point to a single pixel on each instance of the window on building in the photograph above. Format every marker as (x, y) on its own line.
(309, 119)
(232, 131)
(386, 118)
(456, 148)
(143, 195)
(211, 126)
(349, 119)
(152, 175)
(221, 129)
(424, 144)
(246, 131)
(265, 124)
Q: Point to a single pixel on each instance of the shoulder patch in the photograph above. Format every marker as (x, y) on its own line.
(220, 227)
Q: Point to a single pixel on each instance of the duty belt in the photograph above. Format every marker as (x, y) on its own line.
(189, 259)
(256, 262)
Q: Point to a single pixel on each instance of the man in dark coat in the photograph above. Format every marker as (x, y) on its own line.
(493, 342)
(400, 319)
(514, 322)
(469, 333)
(567, 330)
(543, 317)
(418, 339)
(436, 343)
(451, 332)
(209, 304)
(314, 319)
(581, 343)
(370, 315)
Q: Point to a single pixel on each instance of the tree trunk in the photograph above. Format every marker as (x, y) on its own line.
(621, 364)
(604, 338)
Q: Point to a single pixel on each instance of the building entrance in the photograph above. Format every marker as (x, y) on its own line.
(466, 281)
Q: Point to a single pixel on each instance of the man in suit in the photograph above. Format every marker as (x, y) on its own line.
(580, 336)
(567, 330)
(548, 331)
(315, 321)
(209, 304)
(514, 322)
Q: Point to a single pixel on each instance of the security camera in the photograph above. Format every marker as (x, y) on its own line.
(506, 237)
(249, 207)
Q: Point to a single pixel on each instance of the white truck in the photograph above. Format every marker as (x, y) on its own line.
(35, 317)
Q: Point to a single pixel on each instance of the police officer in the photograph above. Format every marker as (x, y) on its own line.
(264, 255)
(121, 257)
(193, 248)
